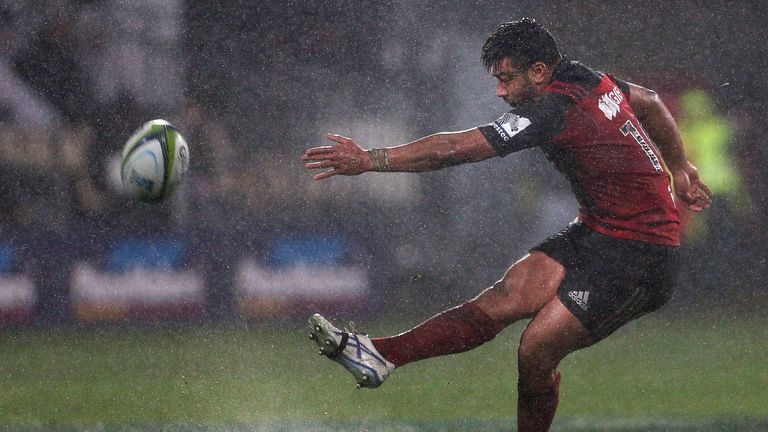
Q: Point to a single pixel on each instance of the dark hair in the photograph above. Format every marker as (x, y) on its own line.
(525, 42)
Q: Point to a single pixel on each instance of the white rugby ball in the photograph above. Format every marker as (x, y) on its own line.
(155, 160)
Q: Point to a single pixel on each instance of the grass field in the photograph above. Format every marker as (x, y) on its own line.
(661, 373)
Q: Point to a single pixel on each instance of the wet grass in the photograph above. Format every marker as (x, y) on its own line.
(705, 372)
(567, 425)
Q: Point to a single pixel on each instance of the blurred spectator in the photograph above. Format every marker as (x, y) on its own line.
(131, 48)
(710, 138)
(718, 242)
(21, 103)
(50, 65)
(214, 153)
(75, 142)
(214, 163)
(211, 204)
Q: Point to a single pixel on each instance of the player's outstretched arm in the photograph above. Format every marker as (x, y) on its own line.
(662, 129)
(430, 153)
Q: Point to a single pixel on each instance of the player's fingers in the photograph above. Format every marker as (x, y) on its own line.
(338, 138)
(324, 150)
(690, 202)
(696, 207)
(321, 164)
(699, 204)
(319, 157)
(326, 174)
(707, 191)
(707, 201)
(687, 196)
(703, 195)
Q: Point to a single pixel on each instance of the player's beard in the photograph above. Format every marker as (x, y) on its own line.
(526, 94)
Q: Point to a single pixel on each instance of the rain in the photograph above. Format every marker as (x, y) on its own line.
(190, 313)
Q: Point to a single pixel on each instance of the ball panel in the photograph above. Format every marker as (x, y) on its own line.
(144, 170)
(149, 128)
(179, 159)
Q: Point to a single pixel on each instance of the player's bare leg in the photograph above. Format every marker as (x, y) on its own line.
(527, 286)
(549, 337)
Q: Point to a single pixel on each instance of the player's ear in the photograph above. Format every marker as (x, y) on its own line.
(539, 72)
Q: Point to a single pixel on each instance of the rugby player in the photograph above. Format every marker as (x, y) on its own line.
(620, 149)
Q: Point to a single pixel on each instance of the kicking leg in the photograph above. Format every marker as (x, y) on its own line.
(526, 287)
(453, 331)
(550, 336)
(370, 361)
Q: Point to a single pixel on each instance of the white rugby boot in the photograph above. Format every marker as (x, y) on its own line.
(353, 350)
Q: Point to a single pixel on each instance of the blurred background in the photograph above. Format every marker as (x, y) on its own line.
(252, 84)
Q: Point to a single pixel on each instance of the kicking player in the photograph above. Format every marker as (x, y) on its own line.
(618, 145)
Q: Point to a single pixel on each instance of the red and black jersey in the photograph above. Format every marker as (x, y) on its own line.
(584, 124)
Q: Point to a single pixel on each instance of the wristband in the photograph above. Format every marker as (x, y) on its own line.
(380, 159)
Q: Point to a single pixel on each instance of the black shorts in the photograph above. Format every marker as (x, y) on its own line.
(609, 281)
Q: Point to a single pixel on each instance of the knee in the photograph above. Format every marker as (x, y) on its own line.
(535, 356)
(529, 352)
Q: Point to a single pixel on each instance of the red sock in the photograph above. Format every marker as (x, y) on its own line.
(535, 411)
(455, 330)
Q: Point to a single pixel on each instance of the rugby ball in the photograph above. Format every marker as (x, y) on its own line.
(155, 160)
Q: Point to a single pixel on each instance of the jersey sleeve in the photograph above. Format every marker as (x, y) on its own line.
(529, 125)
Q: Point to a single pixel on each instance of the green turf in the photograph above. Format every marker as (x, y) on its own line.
(659, 370)
(636, 425)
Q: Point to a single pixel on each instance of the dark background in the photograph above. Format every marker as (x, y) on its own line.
(252, 84)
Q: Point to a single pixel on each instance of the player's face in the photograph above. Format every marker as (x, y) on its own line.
(514, 84)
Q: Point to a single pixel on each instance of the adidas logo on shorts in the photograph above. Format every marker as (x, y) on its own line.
(580, 297)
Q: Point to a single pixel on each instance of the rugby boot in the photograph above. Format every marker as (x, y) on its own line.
(351, 349)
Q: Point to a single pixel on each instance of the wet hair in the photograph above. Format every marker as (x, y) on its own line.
(524, 42)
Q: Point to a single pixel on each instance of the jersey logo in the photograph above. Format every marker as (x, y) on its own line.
(609, 103)
(510, 124)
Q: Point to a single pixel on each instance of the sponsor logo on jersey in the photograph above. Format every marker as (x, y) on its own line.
(580, 297)
(629, 129)
(509, 125)
(610, 103)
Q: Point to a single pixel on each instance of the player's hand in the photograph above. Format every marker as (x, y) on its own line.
(690, 189)
(345, 157)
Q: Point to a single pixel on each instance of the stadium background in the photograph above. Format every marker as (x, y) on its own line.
(250, 243)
